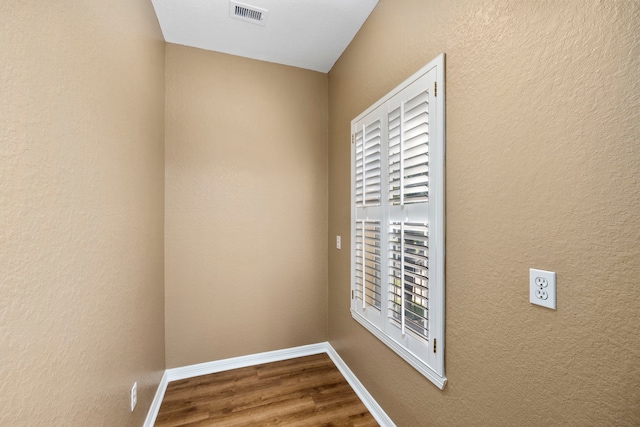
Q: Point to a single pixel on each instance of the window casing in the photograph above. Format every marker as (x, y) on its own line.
(397, 220)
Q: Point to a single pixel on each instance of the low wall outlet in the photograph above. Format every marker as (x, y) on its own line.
(542, 288)
(338, 242)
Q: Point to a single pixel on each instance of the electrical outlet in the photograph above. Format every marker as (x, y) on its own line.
(338, 242)
(542, 288)
(541, 294)
(134, 396)
(541, 282)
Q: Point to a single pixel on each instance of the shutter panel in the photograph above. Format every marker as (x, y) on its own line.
(359, 260)
(394, 156)
(397, 217)
(372, 163)
(409, 150)
(369, 164)
(395, 273)
(409, 277)
(359, 168)
(368, 261)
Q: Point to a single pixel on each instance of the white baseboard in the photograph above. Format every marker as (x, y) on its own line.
(243, 361)
(381, 417)
(156, 402)
(267, 357)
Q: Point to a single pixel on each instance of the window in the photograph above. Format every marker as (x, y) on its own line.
(397, 191)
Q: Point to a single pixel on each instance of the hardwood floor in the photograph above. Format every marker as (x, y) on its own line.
(307, 391)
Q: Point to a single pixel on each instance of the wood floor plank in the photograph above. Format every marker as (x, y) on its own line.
(298, 392)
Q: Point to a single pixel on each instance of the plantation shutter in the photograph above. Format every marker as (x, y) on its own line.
(368, 163)
(409, 277)
(368, 261)
(398, 220)
(409, 217)
(368, 238)
(409, 150)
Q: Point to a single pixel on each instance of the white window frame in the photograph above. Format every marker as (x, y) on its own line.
(425, 355)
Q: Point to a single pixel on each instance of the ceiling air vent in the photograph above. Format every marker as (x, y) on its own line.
(248, 13)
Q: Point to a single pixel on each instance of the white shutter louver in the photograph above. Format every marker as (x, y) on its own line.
(368, 262)
(409, 151)
(409, 277)
(394, 156)
(359, 169)
(368, 164)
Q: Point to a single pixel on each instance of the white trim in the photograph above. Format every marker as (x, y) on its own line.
(376, 411)
(190, 371)
(156, 402)
(422, 367)
(243, 361)
(426, 355)
(438, 62)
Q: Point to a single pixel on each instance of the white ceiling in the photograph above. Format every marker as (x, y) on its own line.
(309, 34)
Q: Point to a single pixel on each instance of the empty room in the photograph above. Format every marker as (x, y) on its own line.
(433, 206)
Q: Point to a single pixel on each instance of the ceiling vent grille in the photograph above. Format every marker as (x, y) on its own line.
(247, 13)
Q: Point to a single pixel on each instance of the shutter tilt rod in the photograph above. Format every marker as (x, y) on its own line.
(364, 167)
(364, 267)
(402, 315)
(401, 155)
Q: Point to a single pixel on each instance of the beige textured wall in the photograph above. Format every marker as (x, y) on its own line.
(543, 159)
(246, 206)
(81, 211)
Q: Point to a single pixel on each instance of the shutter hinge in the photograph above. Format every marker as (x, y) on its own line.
(352, 294)
(435, 345)
(435, 88)
(353, 138)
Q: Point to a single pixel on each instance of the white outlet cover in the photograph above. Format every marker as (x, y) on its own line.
(542, 288)
(338, 242)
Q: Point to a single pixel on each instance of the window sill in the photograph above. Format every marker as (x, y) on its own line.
(410, 358)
